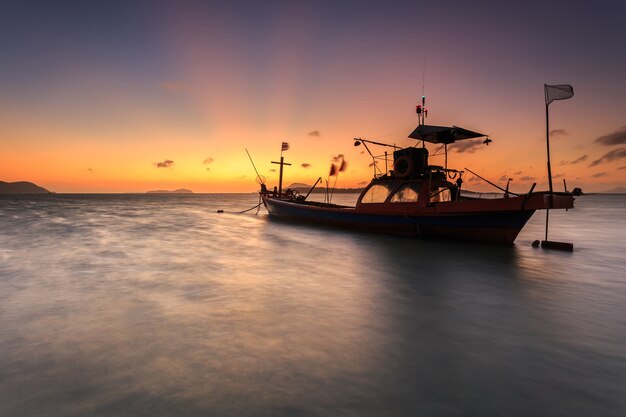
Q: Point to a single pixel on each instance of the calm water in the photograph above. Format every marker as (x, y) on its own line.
(144, 305)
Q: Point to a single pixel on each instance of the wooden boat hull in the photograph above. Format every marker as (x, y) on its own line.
(490, 221)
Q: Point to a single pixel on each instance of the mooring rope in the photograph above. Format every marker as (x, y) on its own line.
(245, 211)
(251, 208)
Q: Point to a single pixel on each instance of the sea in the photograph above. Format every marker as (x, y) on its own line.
(158, 305)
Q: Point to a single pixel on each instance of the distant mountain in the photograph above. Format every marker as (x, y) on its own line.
(179, 191)
(21, 187)
(618, 190)
(298, 185)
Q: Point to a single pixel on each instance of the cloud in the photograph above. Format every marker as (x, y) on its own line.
(473, 179)
(306, 165)
(624, 167)
(575, 161)
(207, 160)
(503, 178)
(527, 178)
(469, 146)
(272, 170)
(337, 158)
(600, 174)
(173, 86)
(168, 163)
(362, 183)
(517, 173)
(579, 159)
(557, 176)
(610, 156)
(242, 177)
(208, 169)
(315, 133)
(616, 138)
(90, 169)
(558, 132)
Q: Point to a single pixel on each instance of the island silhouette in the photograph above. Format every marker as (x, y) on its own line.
(21, 187)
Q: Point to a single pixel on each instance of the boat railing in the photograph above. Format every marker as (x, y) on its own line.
(381, 159)
(476, 195)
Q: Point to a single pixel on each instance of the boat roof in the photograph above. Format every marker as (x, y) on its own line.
(443, 134)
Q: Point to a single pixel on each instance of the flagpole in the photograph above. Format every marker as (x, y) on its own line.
(553, 92)
(548, 148)
(549, 169)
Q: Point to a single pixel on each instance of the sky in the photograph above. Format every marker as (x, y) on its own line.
(135, 96)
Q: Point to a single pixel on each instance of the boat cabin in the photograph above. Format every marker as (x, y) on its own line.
(412, 180)
(422, 189)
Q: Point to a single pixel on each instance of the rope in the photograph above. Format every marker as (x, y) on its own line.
(245, 211)
(251, 208)
(489, 182)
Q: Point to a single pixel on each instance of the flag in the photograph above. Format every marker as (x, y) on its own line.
(343, 165)
(285, 146)
(558, 92)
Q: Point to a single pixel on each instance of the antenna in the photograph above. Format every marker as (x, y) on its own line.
(420, 109)
(424, 75)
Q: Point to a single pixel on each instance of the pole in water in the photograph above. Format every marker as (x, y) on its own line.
(546, 243)
(547, 217)
(549, 170)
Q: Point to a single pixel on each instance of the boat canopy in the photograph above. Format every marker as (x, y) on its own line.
(443, 134)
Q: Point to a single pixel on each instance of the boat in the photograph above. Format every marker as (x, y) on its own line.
(413, 198)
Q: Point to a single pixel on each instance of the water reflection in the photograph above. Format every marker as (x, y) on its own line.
(135, 305)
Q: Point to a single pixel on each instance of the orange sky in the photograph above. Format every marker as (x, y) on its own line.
(201, 89)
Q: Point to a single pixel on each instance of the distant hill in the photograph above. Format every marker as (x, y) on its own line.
(304, 188)
(21, 187)
(618, 190)
(298, 185)
(179, 191)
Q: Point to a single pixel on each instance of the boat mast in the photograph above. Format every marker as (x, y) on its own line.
(422, 112)
(282, 162)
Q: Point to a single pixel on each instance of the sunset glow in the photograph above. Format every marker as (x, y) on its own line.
(93, 99)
